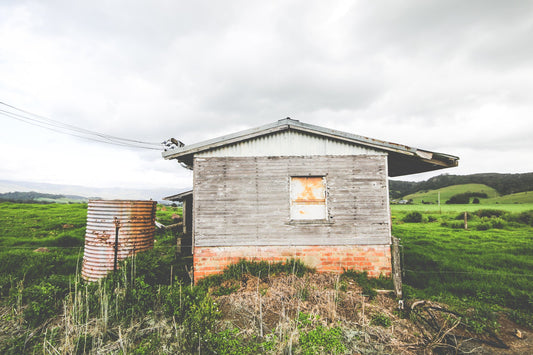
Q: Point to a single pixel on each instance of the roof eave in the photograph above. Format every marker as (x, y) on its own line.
(420, 160)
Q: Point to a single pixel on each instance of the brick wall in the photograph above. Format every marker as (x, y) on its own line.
(375, 259)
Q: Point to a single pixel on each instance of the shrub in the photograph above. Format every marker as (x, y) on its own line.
(413, 217)
(498, 223)
(432, 219)
(320, 339)
(43, 302)
(460, 199)
(464, 198)
(483, 226)
(489, 213)
(526, 217)
(456, 224)
(461, 216)
(381, 319)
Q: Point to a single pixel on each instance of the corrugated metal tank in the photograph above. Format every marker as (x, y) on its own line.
(136, 228)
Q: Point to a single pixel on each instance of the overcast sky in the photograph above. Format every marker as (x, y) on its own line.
(449, 76)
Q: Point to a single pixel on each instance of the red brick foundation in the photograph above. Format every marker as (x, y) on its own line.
(375, 259)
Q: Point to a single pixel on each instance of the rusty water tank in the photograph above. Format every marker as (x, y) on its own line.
(136, 227)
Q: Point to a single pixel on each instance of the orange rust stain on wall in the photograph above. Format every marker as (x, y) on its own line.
(313, 190)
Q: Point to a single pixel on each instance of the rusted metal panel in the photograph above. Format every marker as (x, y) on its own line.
(308, 198)
(136, 226)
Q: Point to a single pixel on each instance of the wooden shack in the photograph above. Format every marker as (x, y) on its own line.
(295, 190)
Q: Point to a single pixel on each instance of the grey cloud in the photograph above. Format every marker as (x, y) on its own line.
(414, 72)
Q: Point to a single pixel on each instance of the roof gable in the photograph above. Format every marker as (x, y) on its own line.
(402, 159)
(288, 143)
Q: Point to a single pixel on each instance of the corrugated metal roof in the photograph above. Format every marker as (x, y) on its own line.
(403, 159)
(288, 143)
(178, 197)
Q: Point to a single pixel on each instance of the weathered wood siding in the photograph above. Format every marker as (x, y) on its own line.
(245, 201)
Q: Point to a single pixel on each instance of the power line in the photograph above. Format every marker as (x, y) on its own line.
(16, 113)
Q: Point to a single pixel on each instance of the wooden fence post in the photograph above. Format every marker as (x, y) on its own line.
(396, 267)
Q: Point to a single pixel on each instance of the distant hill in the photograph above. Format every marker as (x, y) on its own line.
(67, 191)
(520, 197)
(37, 197)
(446, 193)
(504, 184)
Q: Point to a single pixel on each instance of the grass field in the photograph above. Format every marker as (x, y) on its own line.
(483, 271)
(489, 266)
(447, 192)
(58, 229)
(446, 209)
(518, 198)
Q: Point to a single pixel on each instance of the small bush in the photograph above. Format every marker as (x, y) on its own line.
(459, 199)
(461, 216)
(456, 224)
(432, 219)
(381, 319)
(526, 218)
(413, 217)
(319, 339)
(489, 213)
(483, 226)
(43, 302)
(498, 223)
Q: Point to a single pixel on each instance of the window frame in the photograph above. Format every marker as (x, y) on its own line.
(293, 202)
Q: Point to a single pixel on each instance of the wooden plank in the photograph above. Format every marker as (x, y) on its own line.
(396, 268)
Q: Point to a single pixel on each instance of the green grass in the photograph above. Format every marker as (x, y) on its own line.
(164, 214)
(24, 228)
(478, 272)
(445, 209)
(518, 198)
(485, 270)
(60, 228)
(35, 225)
(447, 192)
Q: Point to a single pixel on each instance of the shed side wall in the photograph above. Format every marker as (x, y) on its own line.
(245, 201)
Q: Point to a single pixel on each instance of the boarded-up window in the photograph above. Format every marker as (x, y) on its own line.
(308, 198)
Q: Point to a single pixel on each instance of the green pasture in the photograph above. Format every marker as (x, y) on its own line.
(447, 192)
(443, 208)
(488, 266)
(518, 198)
(40, 241)
(431, 196)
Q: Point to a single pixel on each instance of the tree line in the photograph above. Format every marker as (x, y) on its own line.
(505, 184)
